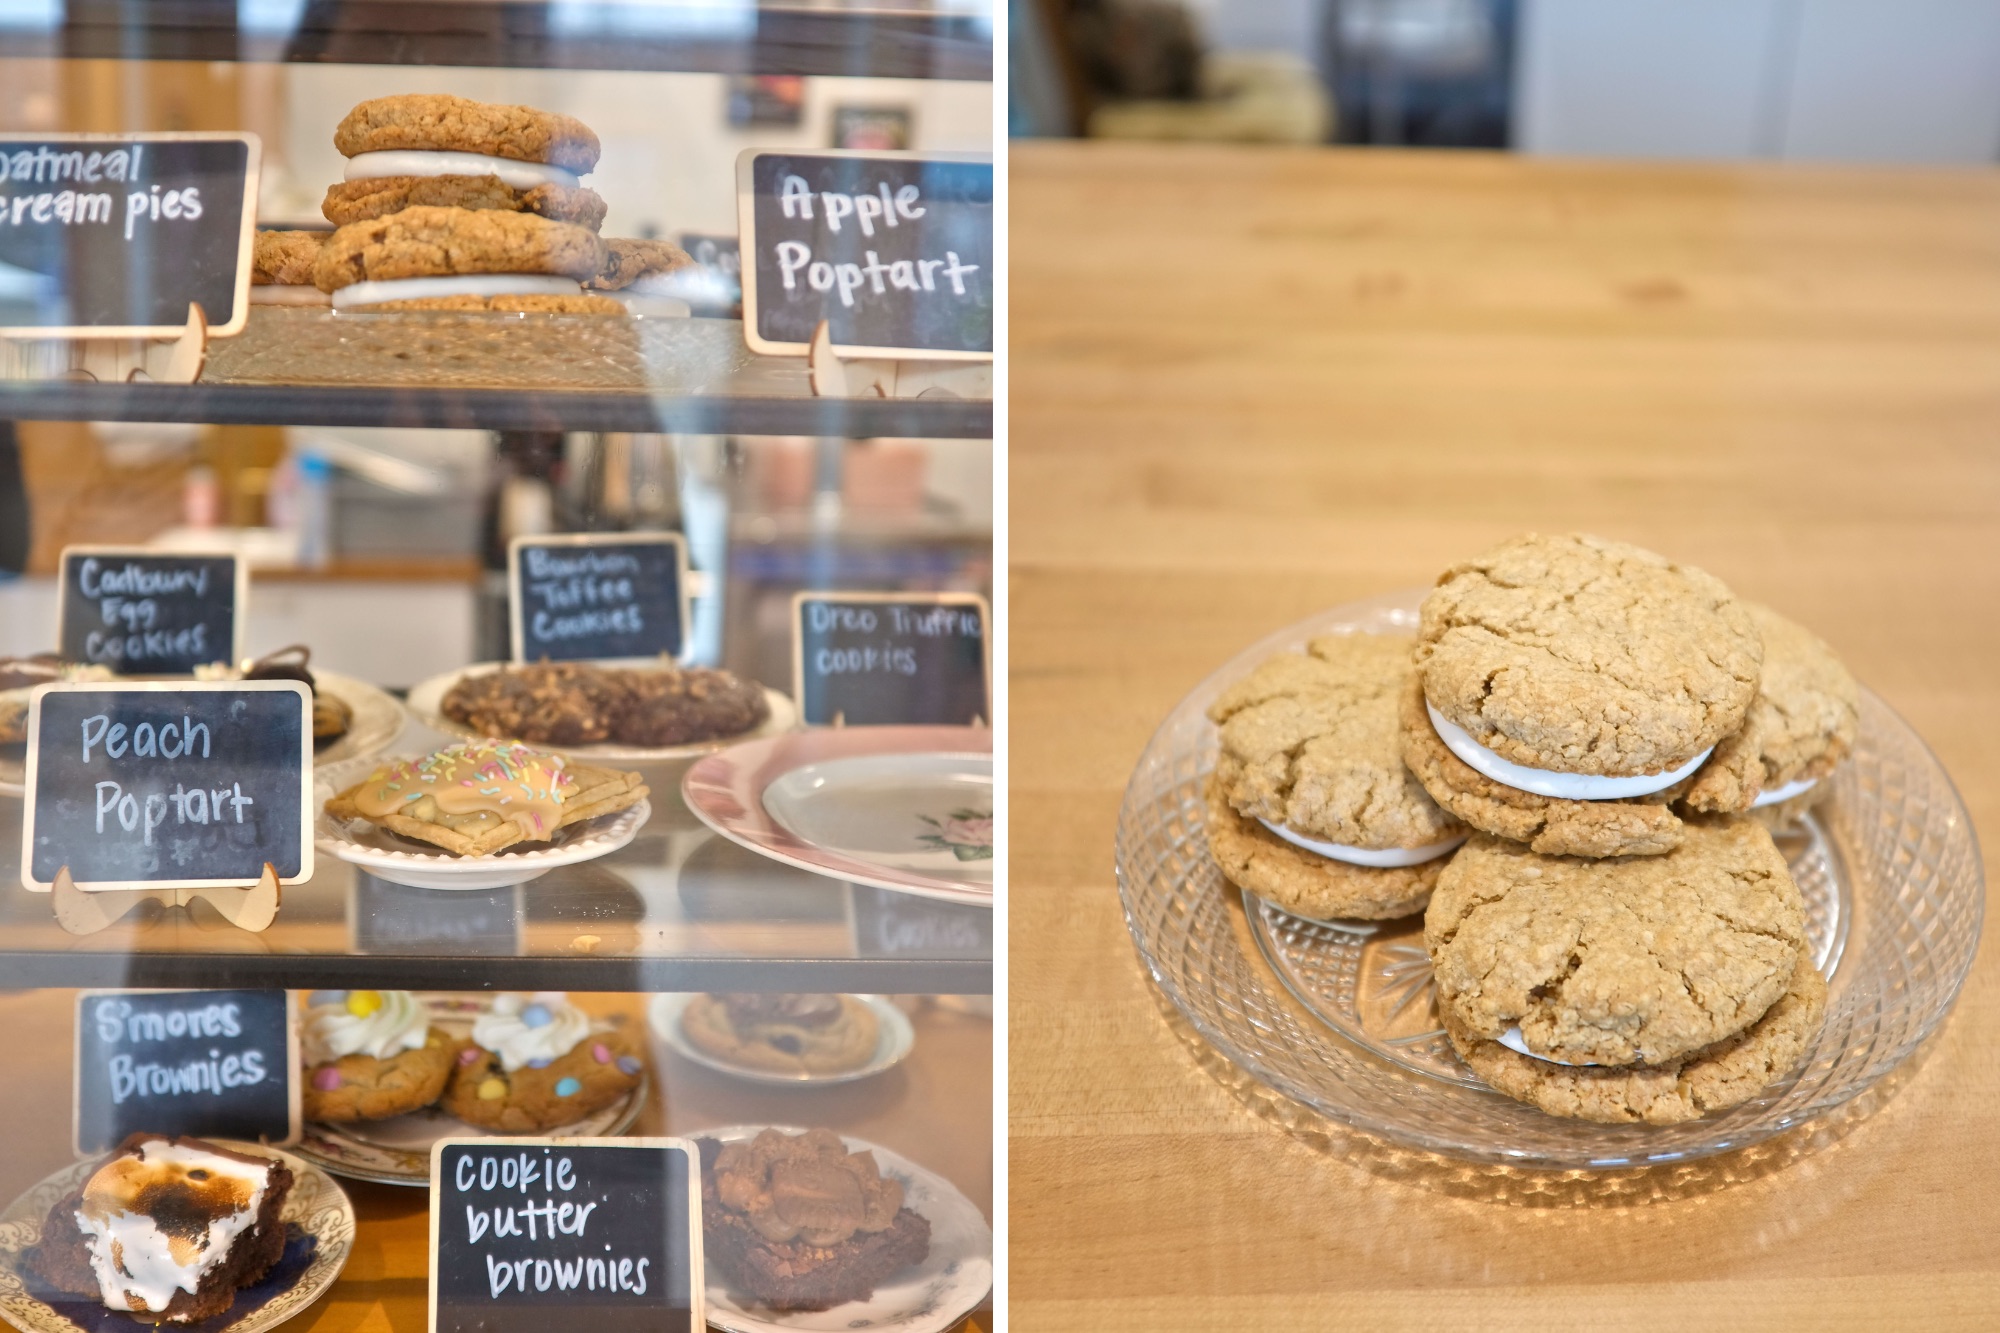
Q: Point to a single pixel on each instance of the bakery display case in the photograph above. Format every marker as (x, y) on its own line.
(526, 541)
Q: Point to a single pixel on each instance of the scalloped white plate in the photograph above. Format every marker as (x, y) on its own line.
(894, 1039)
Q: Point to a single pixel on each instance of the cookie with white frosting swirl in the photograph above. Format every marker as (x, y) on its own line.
(372, 1054)
(538, 1062)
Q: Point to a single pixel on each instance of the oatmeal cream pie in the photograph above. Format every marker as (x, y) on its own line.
(538, 1062)
(1576, 672)
(281, 268)
(1309, 806)
(1623, 961)
(435, 258)
(372, 1054)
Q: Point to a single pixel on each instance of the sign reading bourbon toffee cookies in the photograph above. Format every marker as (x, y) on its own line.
(212, 1063)
(145, 612)
(115, 236)
(534, 1234)
(893, 250)
(889, 659)
(160, 785)
(597, 596)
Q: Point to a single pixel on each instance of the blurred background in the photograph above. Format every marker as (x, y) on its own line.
(1913, 81)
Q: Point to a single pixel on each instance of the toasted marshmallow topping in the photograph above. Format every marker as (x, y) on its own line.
(475, 284)
(1546, 782)
(423, 162)
(157, 1221)
(1381, 858)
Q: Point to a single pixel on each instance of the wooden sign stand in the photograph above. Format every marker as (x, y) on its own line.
(110, 360)
(80, 913)
(833, 377)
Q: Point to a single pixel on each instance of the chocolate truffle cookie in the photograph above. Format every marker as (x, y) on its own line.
(1616, 962)
(786, 1034)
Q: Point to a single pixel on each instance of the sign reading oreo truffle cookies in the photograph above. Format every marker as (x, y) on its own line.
(595, 596)
(146, 613)
(160, 785)
(529, 1234)
(893, 250)
(115, 236)
(212, 1063)
(888, 659)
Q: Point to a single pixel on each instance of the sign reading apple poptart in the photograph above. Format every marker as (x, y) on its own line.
(598, 596)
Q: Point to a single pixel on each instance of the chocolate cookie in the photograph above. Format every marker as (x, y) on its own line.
(786, 1034)
(599, 1070)
(361, 1087)
(627, 261)
(361, 200)
(1319, 888)
(285, 258)
(431, 242)
(683, 705)
(439, 121)
(560, 703)
(1640, 960)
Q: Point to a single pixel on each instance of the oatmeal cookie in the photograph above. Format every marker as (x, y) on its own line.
(434, 242)
(1583, 656)
(525, 303)
(359, 201)
(1304, 883)
(627, 261)
(285, 258)
(439, 121)
(1639, 960)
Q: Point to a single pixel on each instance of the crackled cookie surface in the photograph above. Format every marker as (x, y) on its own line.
(1639, 960)
(439, 121)
(1583, 656)
(1253, 858)
(430, 241)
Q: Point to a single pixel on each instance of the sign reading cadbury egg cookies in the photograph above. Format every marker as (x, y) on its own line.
(597, 596)
(115, 236)
(141, 612)
(163, 785)
(212, 1063)
(888, 659)
(893, 250)
(533, 1234)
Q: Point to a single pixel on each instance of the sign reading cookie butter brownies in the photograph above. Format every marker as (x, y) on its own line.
(212, 1063)
(875, 659)
(145, 612)
(115, 236)
(533, 1234)
(597, 596)
(893, 250)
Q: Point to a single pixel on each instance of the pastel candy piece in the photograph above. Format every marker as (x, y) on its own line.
(326, 1078)
(568, 1087)
(492, 1090)
(470, 1055)
(537, 1016)
(542, 1063)
(325, 997)
(629, 1064)
(362, 1003)
(601, 1053)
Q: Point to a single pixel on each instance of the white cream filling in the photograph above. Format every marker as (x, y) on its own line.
(425, 162)
(287, 293)
(149, 1270)
(475, 284)
(1546, 782)
(1384, 859)
(1511, 1039)
(1785, 793)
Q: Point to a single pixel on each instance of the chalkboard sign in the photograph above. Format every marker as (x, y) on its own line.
(533, 1234)
(212, 1063)
(161, 785)
(114, 236)
(385, 918)
(144, 613)
(893, 250)
(597, 596)
(890, 925)
(873, 659)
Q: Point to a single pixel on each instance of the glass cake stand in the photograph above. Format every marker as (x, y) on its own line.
(1338, 1016)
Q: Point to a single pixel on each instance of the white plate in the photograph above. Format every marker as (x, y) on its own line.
(403, 861)
(927, 1298)
(317, 1205)
(397, 1151)
(427, 702)
(893, 1041)
(893, 810)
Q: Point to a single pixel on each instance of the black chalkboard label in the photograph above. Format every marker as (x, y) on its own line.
(159, 785)
(145, 613)
(873, 659)
(889, 925)
(597, 596)
(212, 1063)
(533, 1234)
(387, 918)
(115, 236)
(893, 250)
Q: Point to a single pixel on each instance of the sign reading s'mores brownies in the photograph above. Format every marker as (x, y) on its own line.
(533, 1234)
(890, 659)
(893, 250)
(597, 596)
(211, 1063)
(115, 236)
(162, 785)
(144, 612)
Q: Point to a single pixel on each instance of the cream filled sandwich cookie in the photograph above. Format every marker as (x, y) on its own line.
(1309, 805)
(460, 259)
(281, 268)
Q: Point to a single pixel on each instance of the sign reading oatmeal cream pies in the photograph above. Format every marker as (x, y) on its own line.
(893, 250)
(211, 1063)
(890, 659)
(168, 784)
(533, 1234)
(597, 596)
(142, 612)
(115, 236)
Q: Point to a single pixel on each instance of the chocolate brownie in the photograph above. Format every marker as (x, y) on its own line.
(359, 201)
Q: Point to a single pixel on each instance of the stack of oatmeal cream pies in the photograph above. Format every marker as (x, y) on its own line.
(450, 204)
(1574, 770)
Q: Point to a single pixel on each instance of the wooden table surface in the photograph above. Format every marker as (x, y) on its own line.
(1250, 384)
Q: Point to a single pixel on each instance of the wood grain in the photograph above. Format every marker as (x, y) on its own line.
(1248, 385)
